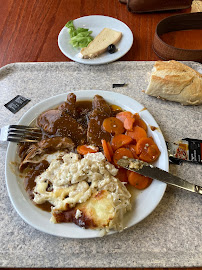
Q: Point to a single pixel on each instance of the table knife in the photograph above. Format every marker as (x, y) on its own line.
(149, 170)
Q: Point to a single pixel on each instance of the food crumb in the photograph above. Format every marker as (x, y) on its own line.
(137, 164)
(78, 214)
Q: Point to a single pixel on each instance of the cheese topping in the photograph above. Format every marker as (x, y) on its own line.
(70, 181)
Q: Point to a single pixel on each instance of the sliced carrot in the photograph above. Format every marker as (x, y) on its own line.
(120, 140)
(151, 139)
(113, 125)
(152, 154)
(136, 116)
(86, 149)
(128, 172)
(147, 150)
(121, 152)
(128, 123)
(122, 175)
(143, 144)
(139, 122)
(132, 148)
(111, 152)
(106, 150)
(137, 133)
(139, 181)
(123, 115)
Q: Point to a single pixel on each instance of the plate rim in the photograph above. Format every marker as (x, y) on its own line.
(7, 165)
(87, 61)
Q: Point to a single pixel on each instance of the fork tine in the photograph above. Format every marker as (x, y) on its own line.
(21, 133)
(22, 129)
(18, 140)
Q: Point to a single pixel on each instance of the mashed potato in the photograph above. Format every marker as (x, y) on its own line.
(70, 181)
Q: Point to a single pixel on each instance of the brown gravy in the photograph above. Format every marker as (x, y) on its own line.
(63, 126)
(83, 108)
(58, 123)
(69, 216)
(32, 172)
(154, 128)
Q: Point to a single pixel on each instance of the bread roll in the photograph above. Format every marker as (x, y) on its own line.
(175, 81)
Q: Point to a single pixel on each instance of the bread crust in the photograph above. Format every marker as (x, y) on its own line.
(174, 81)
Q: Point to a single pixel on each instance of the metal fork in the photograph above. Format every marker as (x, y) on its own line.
(19, 133)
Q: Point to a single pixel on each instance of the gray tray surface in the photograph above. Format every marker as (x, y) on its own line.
(171, 236)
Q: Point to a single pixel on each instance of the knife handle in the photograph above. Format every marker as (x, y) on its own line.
(198, 189)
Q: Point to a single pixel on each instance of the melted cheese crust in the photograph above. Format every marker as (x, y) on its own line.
(72, 182)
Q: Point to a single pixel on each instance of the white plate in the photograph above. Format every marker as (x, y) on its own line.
(96, 23)
(145, 202)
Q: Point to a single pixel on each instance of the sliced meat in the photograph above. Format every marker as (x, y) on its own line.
(49, 145)
(95, 133)
(59, 123)
(98, 115)
(47, 119)
(100, 104)
(56, 143)
(101, 110)
(83, 109)
(69, 106)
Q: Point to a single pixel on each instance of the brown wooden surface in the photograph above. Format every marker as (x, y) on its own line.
(198, 268)
(180, 40)
(29, 30)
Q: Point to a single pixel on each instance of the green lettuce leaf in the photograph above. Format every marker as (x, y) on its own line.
(80, 37)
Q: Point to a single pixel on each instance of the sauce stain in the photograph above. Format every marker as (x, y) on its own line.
(143, 109)
(154, 128)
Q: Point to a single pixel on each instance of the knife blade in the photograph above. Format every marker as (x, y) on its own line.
(149, 170)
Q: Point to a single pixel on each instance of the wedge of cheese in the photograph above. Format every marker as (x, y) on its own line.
(99, 45)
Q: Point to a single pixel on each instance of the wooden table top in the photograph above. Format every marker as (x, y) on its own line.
(29, 29)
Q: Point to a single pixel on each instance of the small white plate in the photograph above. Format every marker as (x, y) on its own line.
(96, 23)
(144, 202)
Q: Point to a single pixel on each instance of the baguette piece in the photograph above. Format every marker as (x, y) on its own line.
(99, 45)
(174, 81)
